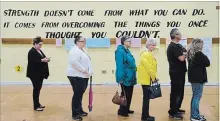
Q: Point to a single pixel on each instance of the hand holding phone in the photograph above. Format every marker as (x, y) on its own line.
(48, 59)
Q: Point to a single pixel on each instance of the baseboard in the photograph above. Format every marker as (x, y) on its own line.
(106, 83)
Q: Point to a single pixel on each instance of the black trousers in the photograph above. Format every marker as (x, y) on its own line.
(146, 101)
(79, 86)
(177, 90)
(37, 85)
(128, 92)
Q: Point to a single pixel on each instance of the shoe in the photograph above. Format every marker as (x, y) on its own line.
(77, 118)
(39, 109)
(123, 114)
(41, 106)
(130, 112)
(198, 119)
(202, 116)
(176, 116)
(181, 111)
(83, 113)
(150, 118)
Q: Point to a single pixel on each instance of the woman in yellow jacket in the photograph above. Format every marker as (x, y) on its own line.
(147, 71)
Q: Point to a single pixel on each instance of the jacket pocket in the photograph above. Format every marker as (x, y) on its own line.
(129, 75)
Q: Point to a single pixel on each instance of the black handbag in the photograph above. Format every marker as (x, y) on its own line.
(155, 90)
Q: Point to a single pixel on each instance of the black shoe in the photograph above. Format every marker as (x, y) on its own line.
(123, 114)
(130, 112)
(176, 116)
(181, 111)
(150, 118)
(77, 118)
(83, 113)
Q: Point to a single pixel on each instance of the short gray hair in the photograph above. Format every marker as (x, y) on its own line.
(124, 38)
(151, 41)
(173, 33)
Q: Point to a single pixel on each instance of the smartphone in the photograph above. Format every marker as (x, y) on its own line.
(49, 58)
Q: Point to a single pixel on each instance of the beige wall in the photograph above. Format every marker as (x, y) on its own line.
(211, 14)
(102, 59)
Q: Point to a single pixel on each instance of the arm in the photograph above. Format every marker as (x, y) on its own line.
(146, 59)
(74, 58)
(178, 53)
(119, 58)
(32, 57)
(203, 60)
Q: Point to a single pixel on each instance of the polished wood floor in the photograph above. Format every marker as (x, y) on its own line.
(16, 104)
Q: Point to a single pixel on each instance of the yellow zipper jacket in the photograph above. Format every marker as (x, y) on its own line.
(147, 69)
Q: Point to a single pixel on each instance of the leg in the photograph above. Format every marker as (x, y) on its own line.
(73, 84)
(197, 89)
(85, 87)
(37, 85)
(123, 110)
(182, 87)
(41, 83)
(174, 95)
(80, 89)
(129, 96)
(146, 102)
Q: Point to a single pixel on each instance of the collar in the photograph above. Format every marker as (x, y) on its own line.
(126, 49)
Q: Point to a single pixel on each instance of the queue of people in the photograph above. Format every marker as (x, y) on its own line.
(80, 70)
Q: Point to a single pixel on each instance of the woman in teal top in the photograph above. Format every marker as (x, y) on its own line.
(125, 73)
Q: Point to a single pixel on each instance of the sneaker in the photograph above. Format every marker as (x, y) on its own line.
(202, 116)
(39, 109)
(150, 118)
(181, 111)
(176, 116)
(77, 118)
(83, 113)
(41, 106)
(198, 119)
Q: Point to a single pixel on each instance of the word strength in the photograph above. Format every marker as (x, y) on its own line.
(12, 12)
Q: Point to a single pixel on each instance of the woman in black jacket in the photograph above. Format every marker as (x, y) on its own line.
(37, 70)
(197, 75)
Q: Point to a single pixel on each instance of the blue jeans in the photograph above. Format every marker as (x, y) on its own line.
(197, 89)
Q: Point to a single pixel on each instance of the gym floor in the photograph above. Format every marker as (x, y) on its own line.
(16, 104)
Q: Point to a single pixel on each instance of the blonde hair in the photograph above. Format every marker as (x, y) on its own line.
(195, 46)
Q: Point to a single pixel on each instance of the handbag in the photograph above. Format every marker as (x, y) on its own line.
(155, 90)
(120, 100)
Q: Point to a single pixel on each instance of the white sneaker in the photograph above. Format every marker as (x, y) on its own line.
(198, 119)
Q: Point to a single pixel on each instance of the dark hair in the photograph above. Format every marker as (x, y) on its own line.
(124, 38)
(173, 32)
(37, 40)
(77, 38)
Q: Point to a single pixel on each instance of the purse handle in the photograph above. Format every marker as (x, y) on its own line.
(123, 89)
(155, 82)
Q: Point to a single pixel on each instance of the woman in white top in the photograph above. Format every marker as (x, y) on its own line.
(79, 71)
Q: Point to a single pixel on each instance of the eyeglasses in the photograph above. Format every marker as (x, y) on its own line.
(81, 41)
